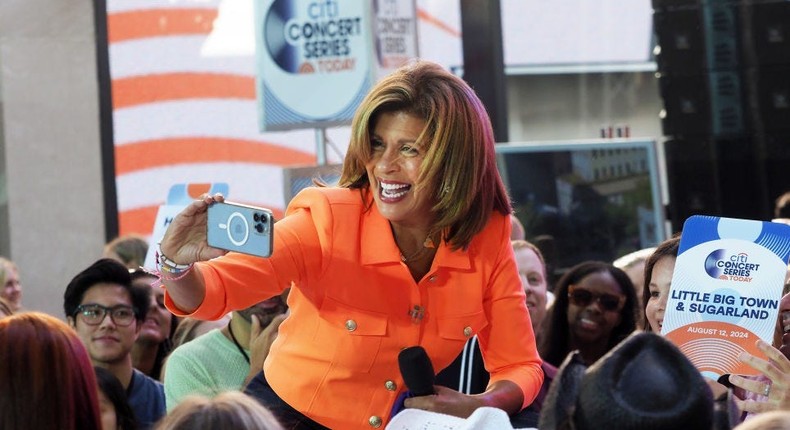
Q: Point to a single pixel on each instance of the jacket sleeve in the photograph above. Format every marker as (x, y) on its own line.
(508, 342)
(302, 248)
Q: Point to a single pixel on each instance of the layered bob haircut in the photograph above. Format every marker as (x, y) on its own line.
(459, 168)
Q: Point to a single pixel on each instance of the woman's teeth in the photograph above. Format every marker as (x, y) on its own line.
(392, 191)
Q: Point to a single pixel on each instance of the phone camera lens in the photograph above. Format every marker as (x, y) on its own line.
(256, 217)
(259, 227)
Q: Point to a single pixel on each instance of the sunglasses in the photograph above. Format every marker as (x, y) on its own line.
(582, 297)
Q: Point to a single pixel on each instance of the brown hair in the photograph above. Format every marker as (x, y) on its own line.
(46, 377)
(459, 168)
(667, 248)
(229, 410)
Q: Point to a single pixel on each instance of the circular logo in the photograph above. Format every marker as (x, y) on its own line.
(712, 266)
(238, 229)
(285, 54)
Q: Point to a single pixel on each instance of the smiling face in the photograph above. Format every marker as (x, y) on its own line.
(533, 280)
(660, 281)
(12, 289)
(394, 168)
(106, 342)
(592, 324)
(156, 327)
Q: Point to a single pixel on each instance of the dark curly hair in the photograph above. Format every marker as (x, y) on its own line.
(556, 341)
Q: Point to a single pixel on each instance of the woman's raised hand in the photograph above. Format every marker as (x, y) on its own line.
(184, 241)
(777, 369)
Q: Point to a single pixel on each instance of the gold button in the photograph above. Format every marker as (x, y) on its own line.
(374, 422)
(391, 386)
(467, 331)
(351, 325)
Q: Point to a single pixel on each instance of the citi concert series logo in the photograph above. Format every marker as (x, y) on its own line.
(730, 266)
(321, 36)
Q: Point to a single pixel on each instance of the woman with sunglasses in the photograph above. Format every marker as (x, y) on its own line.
(594, 310)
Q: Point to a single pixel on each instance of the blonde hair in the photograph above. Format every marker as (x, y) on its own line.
(189, 328)
(129, 249)
(523, 244)
(459, 168)
(5, 265)
(229, 410)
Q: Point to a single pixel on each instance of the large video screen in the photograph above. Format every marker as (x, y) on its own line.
(585, 200)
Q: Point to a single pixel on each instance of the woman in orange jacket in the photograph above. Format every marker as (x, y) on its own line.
(411, 248)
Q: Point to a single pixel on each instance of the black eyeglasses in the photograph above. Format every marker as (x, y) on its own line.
(580, 296)
(94, 314)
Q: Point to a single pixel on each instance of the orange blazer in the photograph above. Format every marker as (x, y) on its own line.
(335, 358)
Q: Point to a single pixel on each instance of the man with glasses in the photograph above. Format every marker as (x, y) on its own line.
(107, 313)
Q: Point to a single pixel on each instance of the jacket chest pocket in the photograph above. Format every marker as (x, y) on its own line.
(461, 328)
(355, 335)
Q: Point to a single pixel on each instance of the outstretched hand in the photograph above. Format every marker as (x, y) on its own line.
(185, 241)
(777, 369)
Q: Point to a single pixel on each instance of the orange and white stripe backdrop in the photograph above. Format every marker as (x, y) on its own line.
(184, 102)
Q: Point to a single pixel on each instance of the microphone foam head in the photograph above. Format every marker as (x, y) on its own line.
(417, 370)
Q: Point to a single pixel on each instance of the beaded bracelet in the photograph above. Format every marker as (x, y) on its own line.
(169, 266)
(160, 276)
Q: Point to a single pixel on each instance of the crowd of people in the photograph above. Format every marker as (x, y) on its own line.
(417, 245)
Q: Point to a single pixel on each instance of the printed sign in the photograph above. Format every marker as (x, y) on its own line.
(395, 34)
(314, 61)
(725, 290)
(179, 197)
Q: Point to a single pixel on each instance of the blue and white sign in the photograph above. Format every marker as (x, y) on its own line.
(314, 61)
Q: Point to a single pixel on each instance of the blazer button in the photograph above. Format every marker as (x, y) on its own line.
(374, 422)
(390, 386)
(351, 325)
(467, 331)
(432, 278)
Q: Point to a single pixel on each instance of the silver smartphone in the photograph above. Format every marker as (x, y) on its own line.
(240, 228)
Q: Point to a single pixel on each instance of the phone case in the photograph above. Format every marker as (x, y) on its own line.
(240, 228)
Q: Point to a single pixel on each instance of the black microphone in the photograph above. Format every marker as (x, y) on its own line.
(417, 371)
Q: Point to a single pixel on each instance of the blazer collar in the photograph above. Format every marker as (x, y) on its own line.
(377, 244)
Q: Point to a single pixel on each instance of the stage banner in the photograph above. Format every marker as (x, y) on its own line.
(725, 291)
(314, 61)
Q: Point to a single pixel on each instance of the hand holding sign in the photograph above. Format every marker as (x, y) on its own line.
(725, 291)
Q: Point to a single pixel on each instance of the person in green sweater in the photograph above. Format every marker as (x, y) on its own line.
(224, 359)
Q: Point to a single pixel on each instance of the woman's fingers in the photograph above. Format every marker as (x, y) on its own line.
(752, 385)
(754, 406)
(777, 358)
